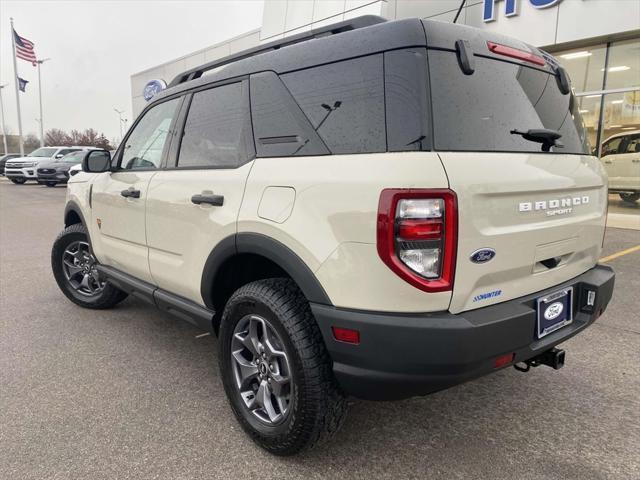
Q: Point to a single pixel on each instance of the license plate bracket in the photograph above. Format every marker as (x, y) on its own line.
(554, 311)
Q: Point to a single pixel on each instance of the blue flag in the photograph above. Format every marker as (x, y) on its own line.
(22, 84)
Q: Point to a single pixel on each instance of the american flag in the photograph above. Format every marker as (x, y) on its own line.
(24, 49)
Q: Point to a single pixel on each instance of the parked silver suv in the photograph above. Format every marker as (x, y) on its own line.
(21, 169)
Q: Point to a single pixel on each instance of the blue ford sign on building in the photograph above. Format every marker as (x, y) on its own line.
(511, 7)
(152, 88)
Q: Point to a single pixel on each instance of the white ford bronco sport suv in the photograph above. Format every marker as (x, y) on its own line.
(377, 209)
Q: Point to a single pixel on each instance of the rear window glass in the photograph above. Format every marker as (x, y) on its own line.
(478, 112)
(344, 102)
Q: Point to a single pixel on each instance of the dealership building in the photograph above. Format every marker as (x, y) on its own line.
(597, 41)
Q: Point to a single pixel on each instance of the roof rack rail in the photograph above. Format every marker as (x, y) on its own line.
(340, 27)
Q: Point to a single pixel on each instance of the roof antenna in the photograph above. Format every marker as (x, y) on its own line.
(459, 10)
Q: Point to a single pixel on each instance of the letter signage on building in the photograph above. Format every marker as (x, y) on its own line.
(511, 7)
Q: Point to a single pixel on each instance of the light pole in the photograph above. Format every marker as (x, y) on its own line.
(119, 112)
(4, 132)
(40, 62)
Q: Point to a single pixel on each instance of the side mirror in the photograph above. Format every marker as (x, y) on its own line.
(59, 155)
(96, 161)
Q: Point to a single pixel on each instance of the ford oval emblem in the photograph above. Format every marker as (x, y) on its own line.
(483, 255)
(152, 88)
(553, 311)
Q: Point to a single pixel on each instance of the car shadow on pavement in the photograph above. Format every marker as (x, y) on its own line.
(546, 423)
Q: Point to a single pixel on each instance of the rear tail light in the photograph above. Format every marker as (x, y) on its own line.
(517, 54)
(417, 236)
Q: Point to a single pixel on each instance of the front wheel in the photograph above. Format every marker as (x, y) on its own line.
(74, 268)
(276, 370)
(18, 180)
(630, 197)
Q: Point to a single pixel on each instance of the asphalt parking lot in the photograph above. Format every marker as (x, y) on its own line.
(134, 393)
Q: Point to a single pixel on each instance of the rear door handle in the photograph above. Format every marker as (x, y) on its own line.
(215, 200)
(608, 162)
(130, 193)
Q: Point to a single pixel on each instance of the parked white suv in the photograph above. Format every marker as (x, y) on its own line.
(386, 210)
(19, 170)
(621, 159)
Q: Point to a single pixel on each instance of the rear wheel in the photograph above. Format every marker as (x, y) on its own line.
(51, 184)
(275, 368)
(74, 268)
(18, 180)
(630, 197)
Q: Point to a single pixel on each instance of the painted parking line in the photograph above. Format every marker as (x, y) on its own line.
(203, 335)
(620, 254)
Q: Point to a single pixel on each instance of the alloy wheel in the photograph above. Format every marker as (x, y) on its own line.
(261, 369)
(80, 269)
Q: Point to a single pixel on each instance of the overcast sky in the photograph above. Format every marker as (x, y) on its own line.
(95, 47)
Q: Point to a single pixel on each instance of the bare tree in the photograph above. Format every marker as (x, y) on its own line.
(57, 137)
(88, 137)
(31, 142)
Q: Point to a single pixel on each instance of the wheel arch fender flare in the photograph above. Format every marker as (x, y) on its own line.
(267, 247)
(72, 211)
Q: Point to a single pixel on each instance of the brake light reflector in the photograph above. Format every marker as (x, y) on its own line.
(417, 236)
(515, 53)
(346, 335)
(503, 360)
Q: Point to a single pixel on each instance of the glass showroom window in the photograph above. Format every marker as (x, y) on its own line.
(589, 106)
(606, 79)
(621, 114)
(623, 70)
(585, 67)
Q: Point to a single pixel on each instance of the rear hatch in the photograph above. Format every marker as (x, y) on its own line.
(539, 208)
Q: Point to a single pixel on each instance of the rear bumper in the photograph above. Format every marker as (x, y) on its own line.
(404, 355)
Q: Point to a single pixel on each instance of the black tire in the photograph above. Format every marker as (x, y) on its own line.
(630, 197)
(51, 184)
(317, 407)
(18, 180)
(106, 298)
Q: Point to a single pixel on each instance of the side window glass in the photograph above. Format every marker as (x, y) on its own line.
(611, 147)
(143, 148)
(344, 102)
(217, 132)
(75, 157)
(633, 145)
(67, 150)
(407, 100)
(281, 129)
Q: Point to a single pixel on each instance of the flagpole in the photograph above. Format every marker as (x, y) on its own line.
(40, 62)
(15, 81)
(4, 131)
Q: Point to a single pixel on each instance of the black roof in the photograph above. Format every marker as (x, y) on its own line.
(348, 39)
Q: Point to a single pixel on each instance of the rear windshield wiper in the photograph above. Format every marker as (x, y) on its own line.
(548, 138)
